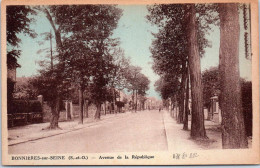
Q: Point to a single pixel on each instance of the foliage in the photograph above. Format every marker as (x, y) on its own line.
(87, 44)
(98, 89)
(167, 88)
(170, 47)
(12, 57)
(137, 80)
(24, 89)
(131, 77)
(10, 90)
(46, 85)
(17, 21)
(96, 21)
(142, 84)
(119, 69)
(26, 106)
(172, 19)
(211, 84)
(211, 87)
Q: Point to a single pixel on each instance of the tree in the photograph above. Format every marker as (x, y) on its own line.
(170, 47)
(137, 82)
(177, 43)
(211, 87)
(25, 89)
(182, 92)
(187, 110)
(17, 21)
(168, 86)
(98, 90)
(131, 76)
(197, 124)
(48, 51)
(233, 128)
(82, 39)
(142, 86)
(88, 48)
(54, 74)
(118, 75)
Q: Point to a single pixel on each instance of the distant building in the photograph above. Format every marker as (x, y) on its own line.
(152, 103)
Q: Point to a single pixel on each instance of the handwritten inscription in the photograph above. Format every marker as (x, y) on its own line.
(184, 155)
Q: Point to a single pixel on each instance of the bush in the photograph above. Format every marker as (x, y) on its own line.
(24, 106)
(34, 106)
(10, 90)
(246, 89)
(19, 106)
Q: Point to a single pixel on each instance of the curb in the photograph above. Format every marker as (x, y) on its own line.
(165, 130)
(169, 146)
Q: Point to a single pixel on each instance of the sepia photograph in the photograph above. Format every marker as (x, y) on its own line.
(120, 83)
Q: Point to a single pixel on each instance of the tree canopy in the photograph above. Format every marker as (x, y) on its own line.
(17, 21)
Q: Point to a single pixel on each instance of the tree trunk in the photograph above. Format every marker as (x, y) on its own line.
(174, 109)
(105, 104)
(172, 106)
(233, 128)
(86, 108)
(56, 31)
(182, 93)
(114, 100)
(55, 113)
(119, 109)
(186, 112)
(97, 114)
(135, 100)
(197, 122)
(110, 108)
(68, 110)
(81, 103)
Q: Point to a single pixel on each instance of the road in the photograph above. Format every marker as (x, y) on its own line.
(134, 132)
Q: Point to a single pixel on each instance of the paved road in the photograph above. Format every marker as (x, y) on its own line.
(135, 132)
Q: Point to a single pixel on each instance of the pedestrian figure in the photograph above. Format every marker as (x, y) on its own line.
(159, 109)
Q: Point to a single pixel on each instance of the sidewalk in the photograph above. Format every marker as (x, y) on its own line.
(179, 139)
(22, 134)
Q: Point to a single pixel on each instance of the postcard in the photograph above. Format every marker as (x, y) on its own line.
(119, 82)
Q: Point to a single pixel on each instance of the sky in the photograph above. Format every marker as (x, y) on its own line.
(135, 36)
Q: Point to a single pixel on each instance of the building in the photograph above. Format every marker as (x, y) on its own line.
(214, 113)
